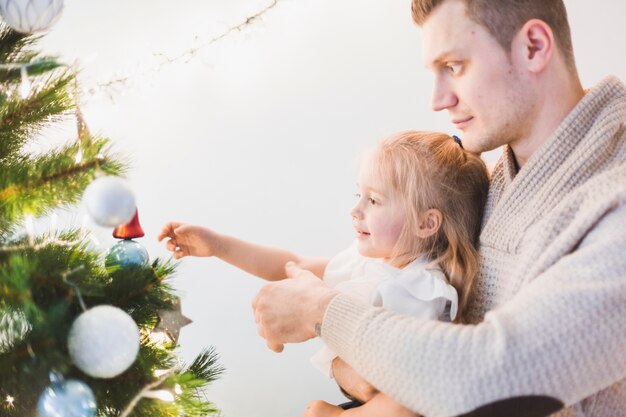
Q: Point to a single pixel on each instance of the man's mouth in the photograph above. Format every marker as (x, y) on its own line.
(462, 123)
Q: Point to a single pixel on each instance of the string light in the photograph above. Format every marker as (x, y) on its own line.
(161, 394)
(30, 229)
(54, 219)
(25, 87)
(182, 57)
(50, 240)
(79, 156)
(94, 240)
(148, 392)
(9, 401)
(159, 338)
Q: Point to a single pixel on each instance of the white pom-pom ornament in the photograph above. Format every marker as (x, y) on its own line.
(103, 341)
(110, 201)
(29, 16)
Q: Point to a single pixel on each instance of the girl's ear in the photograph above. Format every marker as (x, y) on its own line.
(430, 223)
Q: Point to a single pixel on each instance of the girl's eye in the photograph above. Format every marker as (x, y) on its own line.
(372, 201)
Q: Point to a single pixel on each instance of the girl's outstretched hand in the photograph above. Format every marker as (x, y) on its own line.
(189, 240)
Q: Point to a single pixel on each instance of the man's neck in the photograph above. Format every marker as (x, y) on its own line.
(553, 107)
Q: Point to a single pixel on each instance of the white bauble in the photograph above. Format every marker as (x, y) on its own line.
(29, 16)
(110, 201)
(103, 341)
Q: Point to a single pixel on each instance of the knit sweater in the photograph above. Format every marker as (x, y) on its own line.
(550, 303)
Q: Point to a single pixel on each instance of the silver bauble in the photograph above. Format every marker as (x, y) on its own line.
(30, 16)
(110, 201)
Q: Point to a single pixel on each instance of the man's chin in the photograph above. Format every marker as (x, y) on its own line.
(470, 144)
(476, 143)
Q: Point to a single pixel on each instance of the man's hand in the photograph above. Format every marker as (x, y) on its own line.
(289, 311)
(351, 382)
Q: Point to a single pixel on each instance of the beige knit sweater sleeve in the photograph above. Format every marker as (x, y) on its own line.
(562, 335)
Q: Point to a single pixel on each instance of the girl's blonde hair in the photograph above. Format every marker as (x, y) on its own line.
(429, 170)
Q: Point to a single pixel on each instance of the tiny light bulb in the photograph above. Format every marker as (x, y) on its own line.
(10, 401)
(54, 220)
(159, 338)
(94, 239)
(30, 228)
(25, 87)
(79, 156)
(161, 394)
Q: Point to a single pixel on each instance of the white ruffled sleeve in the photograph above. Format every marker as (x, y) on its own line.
(418, 291)
(344, 265)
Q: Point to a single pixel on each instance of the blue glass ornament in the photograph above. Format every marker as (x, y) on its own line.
(69, 398)
(127, 253)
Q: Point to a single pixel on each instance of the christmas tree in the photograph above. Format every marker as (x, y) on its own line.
(80, 335)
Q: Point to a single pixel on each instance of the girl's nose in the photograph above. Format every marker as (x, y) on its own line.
(355, 212)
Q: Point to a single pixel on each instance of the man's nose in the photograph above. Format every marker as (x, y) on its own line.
(443, 96)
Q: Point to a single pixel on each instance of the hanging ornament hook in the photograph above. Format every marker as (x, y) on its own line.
(73, 285)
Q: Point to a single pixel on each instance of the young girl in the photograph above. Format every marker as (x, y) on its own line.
(417, 218)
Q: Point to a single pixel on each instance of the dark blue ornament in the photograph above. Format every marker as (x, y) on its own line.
(70, 398)
(127, 253)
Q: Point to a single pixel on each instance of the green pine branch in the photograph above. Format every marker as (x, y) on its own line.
(21, 119)
(205, 366)
(36, 185)
(16, 46)
(35, 65)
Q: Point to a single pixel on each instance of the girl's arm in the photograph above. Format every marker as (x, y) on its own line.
(263, 261)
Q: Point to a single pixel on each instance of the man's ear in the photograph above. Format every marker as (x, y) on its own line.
(534, 45)
(430, 223)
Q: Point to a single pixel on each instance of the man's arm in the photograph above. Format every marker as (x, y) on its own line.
(561, 336)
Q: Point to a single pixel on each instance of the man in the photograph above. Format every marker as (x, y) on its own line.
(550, 303)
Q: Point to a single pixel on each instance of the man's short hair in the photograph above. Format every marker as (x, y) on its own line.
(504, 18)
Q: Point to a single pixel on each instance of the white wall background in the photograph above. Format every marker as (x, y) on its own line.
(257, 136)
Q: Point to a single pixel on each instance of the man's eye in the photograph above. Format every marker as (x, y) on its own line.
(453, 68)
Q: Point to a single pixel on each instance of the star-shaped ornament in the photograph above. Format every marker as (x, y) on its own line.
(171, 321)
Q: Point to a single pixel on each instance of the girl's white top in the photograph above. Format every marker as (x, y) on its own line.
(419, 289)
